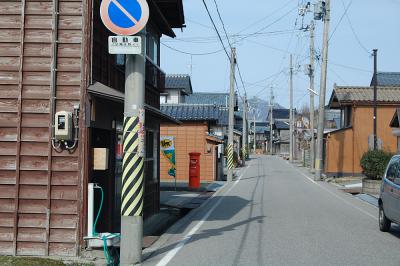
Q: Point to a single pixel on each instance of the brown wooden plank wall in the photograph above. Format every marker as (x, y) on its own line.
(39, 188)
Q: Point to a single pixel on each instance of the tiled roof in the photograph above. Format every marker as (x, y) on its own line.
(182, 82)
(366, 94)
(280, 125)
(220, 99)
(386, 79)
(196, 112)
(280, 113)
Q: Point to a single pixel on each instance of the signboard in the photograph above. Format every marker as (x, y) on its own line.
(124, 45)
(167, 146)
(124, 17)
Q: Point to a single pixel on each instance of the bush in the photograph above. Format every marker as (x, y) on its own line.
(374, 163)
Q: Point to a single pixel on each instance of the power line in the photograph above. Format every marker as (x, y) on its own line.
(216, 30)
(211, 39)
(198, 23)
(230, 45)
(355, 34)
(340, 20)
(187, 53)
(223, 24)
(267, 16)
(269, 25)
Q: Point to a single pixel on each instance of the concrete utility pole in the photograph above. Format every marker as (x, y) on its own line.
(271, 120)
(254, 132)
(321, 109)
(311, 75)
(244, 131)
(375, 54)
(291, 111)
(133, 160)
(231, 116)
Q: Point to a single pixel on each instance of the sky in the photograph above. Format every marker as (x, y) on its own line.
(356, 27)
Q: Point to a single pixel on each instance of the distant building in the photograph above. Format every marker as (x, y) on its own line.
(177, 87)
(193, 135)
(281, 130)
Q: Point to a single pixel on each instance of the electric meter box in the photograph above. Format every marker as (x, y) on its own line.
(63, 126)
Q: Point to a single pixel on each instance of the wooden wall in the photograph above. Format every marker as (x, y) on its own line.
(40, 190)
(189, 137)
(344, 148)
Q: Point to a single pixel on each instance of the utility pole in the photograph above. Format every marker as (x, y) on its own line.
(254, 132)
(311, 75)
(244, 131)
(375, 54)
(321, 109)
(271, 119)
(291, 111)
(133, 160)
(231, 116)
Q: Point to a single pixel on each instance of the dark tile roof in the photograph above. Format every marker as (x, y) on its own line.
(280, 125)
(280, 113)
(220, 99)
(182, 82)
(196, 112)
(387, 79)
(261, 129)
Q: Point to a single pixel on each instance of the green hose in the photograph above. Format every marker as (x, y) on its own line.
(94, 233)
(109, 259)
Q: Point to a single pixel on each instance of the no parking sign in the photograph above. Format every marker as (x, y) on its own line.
(124, 17)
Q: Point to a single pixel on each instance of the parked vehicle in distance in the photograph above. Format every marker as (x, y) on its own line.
(389, 199)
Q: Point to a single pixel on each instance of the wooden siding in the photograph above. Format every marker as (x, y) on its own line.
(40, 190)
(189, 137)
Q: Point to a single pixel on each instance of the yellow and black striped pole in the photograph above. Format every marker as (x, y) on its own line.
(132, 193)
(133, 170)
(230, 157)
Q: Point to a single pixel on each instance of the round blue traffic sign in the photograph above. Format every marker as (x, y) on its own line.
(124, 17)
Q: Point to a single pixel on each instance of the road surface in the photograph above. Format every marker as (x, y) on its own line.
(276, 215)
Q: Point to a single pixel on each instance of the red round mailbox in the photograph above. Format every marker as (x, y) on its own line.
(194, 170)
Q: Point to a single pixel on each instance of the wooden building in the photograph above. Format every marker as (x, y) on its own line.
(193, 135)
(53, 57)
(345, 146)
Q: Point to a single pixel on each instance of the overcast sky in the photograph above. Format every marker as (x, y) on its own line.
(368, 24)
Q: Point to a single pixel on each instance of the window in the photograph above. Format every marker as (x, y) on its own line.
(393, 170)
(347, 116)
(163, 99)
(152, 47)
(151, 160)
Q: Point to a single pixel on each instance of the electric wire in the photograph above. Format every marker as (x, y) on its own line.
(267, 16)
(215, 28)
(340, 20)
(193, 54)
(355, 34)
(267, 26)
(230, 45)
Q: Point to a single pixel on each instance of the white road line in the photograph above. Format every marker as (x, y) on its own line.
(335, 195)
(171, 254)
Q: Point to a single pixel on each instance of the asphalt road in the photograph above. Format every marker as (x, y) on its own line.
(275, 215)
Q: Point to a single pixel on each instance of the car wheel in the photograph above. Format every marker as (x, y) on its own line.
(384, 222)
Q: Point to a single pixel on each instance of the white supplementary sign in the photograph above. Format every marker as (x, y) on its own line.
(124, 44)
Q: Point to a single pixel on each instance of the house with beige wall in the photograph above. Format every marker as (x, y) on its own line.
(345, 146)
(193, 135)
